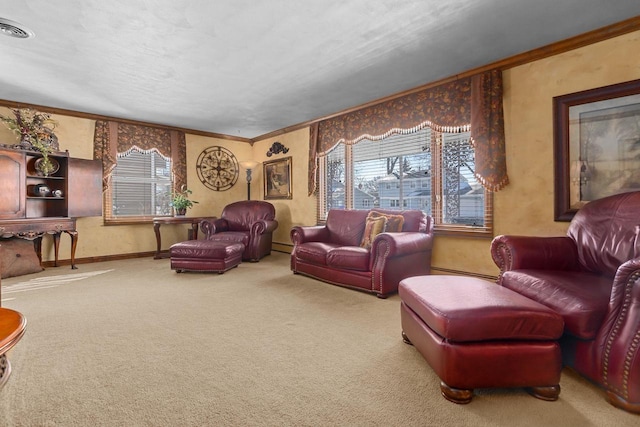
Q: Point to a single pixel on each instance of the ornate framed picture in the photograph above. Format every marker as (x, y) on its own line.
(596, 145)
(277, 179)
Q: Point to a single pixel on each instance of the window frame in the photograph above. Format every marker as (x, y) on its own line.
(485, 231)
(110, 219)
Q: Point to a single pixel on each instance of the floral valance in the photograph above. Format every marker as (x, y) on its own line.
(472, 102)
(113, 137)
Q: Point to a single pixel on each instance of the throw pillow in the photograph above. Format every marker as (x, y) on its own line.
(18, 257)
(394, 222)
(373, 227)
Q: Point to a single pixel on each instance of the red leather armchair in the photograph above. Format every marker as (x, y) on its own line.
(333, 252)
(250, 222)
(591, 277)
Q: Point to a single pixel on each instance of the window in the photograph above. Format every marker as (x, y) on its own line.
(426, 170)
(140, 185)
(141, 165)
(333, 180)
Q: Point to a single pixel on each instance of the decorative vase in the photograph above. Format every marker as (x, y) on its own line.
(181, 212)
(38, 165)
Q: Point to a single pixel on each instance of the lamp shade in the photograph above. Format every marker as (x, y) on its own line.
(249, 164)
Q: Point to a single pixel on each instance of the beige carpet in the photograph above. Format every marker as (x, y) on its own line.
(131, 343)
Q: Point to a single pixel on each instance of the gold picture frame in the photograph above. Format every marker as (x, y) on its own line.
(277, 179)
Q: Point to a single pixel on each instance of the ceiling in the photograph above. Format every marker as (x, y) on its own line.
(246, 68)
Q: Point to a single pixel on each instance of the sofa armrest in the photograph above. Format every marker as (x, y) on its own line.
(529, 252)
(315, 233)
(398, 244)
(396, 256)
(619, 336)
(209, 228)
(263, 226)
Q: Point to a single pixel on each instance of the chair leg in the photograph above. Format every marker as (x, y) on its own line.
(621, 403)
(406, 339)
(456, 395)
(549, 394)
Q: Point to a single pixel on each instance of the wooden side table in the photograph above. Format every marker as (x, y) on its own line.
(157, 222)
(12, 327)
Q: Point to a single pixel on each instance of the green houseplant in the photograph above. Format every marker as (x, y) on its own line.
(180, 200)
(35, 130)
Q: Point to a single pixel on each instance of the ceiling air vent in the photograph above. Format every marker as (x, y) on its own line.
(14, 29)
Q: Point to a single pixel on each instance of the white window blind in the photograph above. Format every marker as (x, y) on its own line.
(141, 184)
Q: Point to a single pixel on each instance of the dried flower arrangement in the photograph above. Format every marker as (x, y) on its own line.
(35, 131)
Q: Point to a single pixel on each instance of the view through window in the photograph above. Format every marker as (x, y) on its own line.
(426, 170)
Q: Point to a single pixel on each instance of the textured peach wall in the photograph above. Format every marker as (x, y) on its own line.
(527, 205)
(301, 209)
(523, 207)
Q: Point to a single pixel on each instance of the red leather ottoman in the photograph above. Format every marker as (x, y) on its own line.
(476, 334)
(205, 255)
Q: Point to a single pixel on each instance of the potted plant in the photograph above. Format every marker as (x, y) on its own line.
(180, 200)
(35, 130)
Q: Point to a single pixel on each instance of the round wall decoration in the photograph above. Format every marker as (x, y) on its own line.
(217, 168)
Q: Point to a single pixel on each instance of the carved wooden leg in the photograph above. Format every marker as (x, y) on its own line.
(456, 395)
(74, 242)
(5, 370)
(56, 247)
(406, 339)
(156, 230)
(37, 244)
(549, 394)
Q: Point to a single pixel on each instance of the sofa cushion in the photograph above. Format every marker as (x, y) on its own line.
(345, 226)
(231, 237)
(580, 298)
(241, 215)
(468, 309)
(394, 222)
(349, 258)
(606, 232)
(374, 225)
(414, 220)
(314, 252)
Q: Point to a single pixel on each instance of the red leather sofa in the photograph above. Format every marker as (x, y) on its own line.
(591, 277)
(333, 252)
(250, 222)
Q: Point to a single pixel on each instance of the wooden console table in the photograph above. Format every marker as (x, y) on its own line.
(194, 221)
(35, 228)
